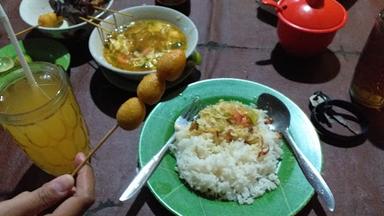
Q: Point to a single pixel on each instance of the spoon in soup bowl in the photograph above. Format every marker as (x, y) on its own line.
(280, 115)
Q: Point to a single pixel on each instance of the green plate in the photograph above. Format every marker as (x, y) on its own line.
(41, 49)
(294, 191)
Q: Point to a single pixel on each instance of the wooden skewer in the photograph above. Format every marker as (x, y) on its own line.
(101, 142)
(95, 24)
(111, 10)
(101, 20)
(26, 30)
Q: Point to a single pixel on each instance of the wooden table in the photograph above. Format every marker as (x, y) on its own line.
(236, 39)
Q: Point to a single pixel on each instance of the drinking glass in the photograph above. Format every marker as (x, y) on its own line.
(45, 120)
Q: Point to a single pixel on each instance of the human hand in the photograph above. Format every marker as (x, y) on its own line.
(75, 199)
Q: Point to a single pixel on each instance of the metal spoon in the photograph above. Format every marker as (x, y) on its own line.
(281, 121)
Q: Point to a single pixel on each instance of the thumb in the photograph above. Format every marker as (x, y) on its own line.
(46, 196)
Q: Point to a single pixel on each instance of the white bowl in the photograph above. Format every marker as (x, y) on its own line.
(30, 10)
(185, 24)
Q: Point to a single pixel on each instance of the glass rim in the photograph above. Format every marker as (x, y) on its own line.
(18, 74)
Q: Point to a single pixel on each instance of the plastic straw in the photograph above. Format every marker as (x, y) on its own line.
(11, 34)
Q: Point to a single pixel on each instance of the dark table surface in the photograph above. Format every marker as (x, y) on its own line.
(236, 39)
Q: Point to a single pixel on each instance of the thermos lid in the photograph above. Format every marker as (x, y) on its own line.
(313, 14)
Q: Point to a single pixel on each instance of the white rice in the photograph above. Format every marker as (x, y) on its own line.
(229, 171)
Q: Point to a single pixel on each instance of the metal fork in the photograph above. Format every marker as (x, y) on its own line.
(146, 171)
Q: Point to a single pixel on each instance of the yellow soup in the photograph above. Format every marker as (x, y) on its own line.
(141, 43)
(51, 138)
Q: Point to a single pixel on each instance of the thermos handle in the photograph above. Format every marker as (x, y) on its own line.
(273, 4)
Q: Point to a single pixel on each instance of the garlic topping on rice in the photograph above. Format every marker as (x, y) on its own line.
(227, 121)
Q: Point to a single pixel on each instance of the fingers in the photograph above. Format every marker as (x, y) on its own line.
(85, 192)
(85, 181)
(31, 203)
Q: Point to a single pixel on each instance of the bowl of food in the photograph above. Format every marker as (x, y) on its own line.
(63, 19)
(139, 37)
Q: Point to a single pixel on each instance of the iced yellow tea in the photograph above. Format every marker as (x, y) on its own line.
(44, 120)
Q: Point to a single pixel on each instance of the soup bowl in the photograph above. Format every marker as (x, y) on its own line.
(30, 10)
(128, 15)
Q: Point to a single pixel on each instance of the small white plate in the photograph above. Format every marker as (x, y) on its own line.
(30, 10)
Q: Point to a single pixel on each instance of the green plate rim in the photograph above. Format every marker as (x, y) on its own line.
(224, 87)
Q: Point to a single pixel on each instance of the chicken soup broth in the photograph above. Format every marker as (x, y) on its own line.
(142, 43)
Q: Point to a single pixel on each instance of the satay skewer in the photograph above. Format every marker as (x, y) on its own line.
(112, 11)
(86, 20)
(94, 24)
(101, 20)
(101, 142)
(26, 30)
(129, 116)
(133, 111)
